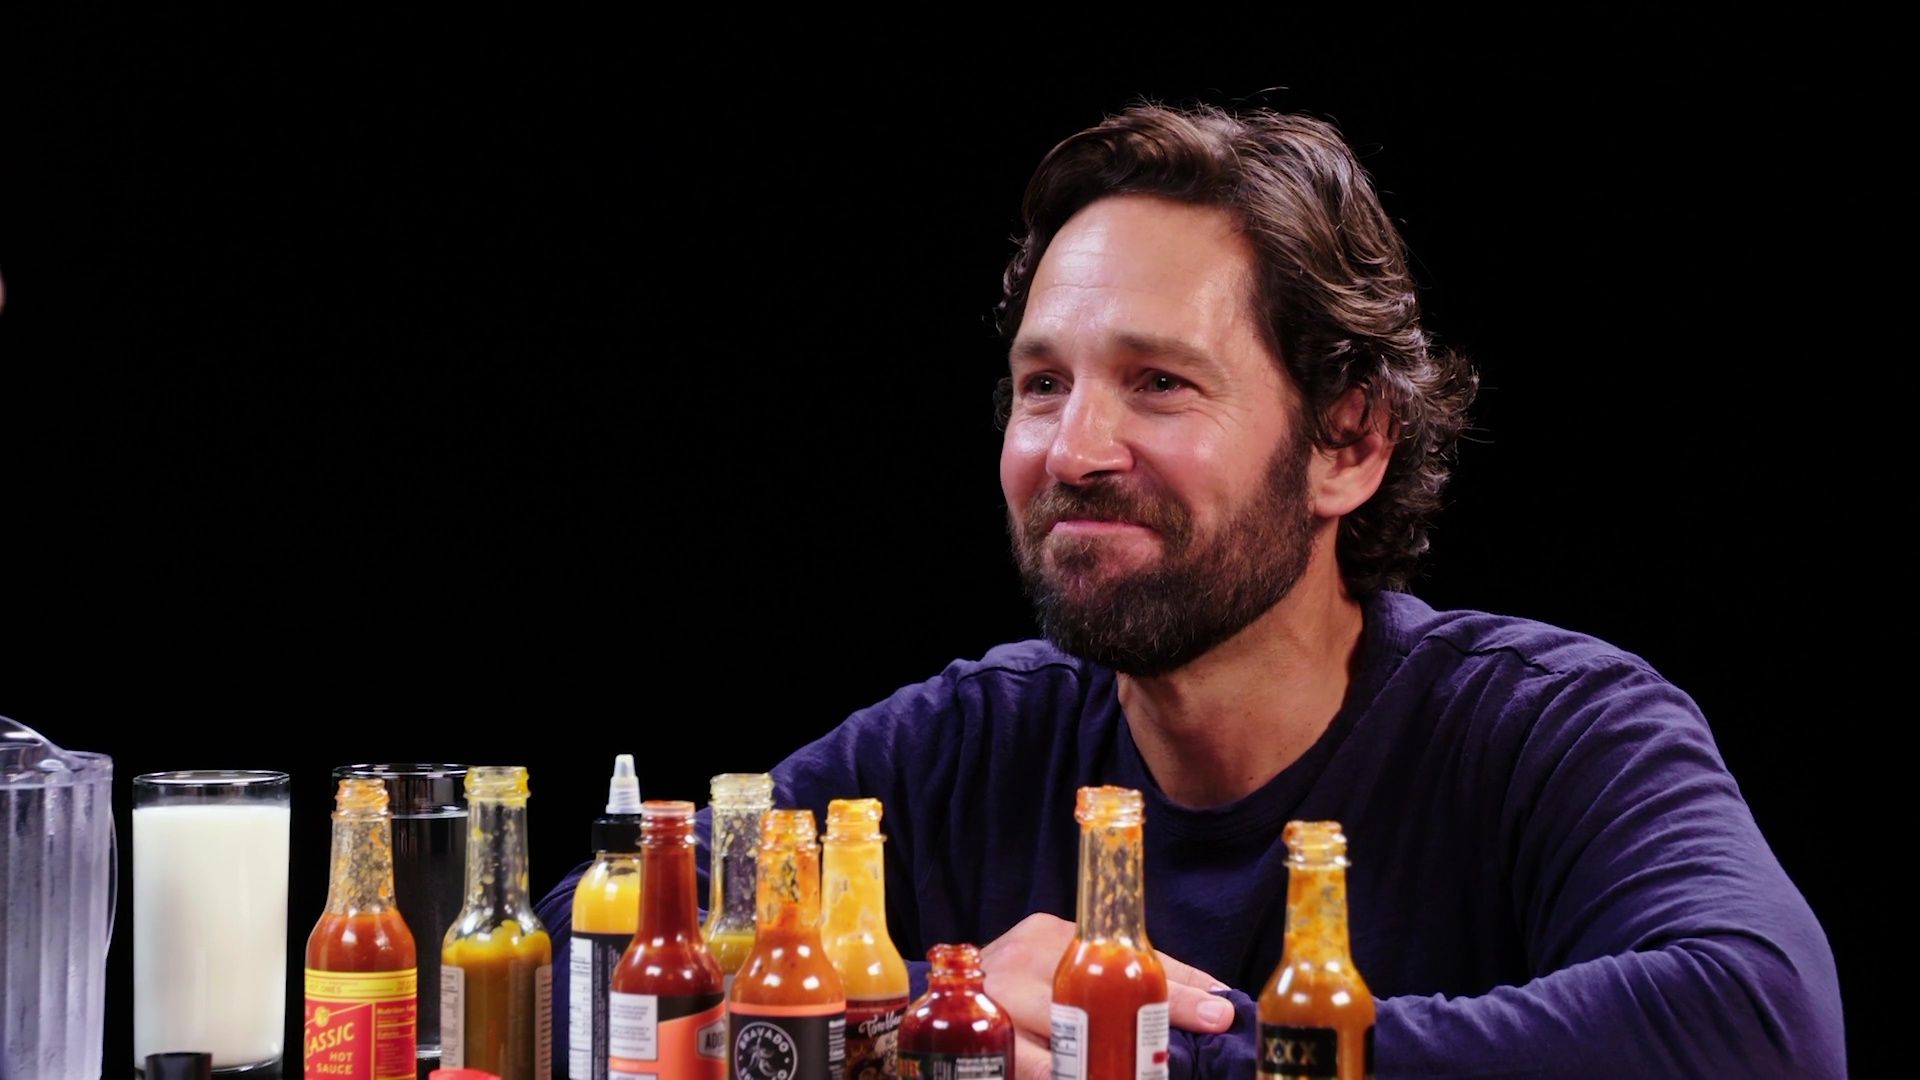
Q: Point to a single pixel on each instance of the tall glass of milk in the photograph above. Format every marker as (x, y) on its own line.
(210, 916)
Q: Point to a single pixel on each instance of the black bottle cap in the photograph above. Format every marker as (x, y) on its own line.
(617, 832)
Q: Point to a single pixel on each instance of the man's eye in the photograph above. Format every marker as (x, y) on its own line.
(1042, 384)
(1164, 384)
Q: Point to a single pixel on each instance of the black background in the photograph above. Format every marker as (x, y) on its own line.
(406, 388)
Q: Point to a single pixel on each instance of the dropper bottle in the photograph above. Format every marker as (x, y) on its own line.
(606, 912)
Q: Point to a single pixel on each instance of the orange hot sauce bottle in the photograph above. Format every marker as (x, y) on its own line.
(853, 875)
(1316, 1013)
(496, 960)
(1109, 992)
(787, 1011)
(666, 1011)
(361, 1003)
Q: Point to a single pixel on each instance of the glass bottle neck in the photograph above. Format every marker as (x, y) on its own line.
(732, 860)
(497, 858)
(956, 984)
(669, 906)
(361, 878)
(1112, 904)
(853, 877)
(955, 968)
(1317, 912)
(789, 888)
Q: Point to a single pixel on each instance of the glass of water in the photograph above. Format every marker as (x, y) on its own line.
(429, 804)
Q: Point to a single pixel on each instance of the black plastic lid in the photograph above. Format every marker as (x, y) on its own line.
(180, 1066)
(617, 832)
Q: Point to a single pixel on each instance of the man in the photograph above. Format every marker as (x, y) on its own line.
(1224, 434)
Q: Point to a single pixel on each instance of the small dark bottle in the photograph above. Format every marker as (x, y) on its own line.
(955, 1031)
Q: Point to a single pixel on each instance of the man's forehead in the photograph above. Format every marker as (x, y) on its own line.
(1141, 275)
(1144, 242)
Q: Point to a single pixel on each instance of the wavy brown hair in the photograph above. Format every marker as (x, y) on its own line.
(1331, 277)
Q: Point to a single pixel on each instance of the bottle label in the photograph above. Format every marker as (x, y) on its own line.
(361, 1025)
(873, 1037)
(454, 1052)
(1150, 1042)
(914, 1066)
(679, 1036)
(792, 1042)
(1306, 1051)
(1069, 1031)
(453, 1017)
(591, 959)
(543, 1023)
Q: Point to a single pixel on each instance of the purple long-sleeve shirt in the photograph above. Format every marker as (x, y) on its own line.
(1553, 872)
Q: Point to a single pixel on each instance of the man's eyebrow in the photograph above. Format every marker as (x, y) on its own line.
(1173, 348)
(1041, 350)
(1037, 350)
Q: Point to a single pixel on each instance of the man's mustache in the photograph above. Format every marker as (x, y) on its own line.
(1105, 502)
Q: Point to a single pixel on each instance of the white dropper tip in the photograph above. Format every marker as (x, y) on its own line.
(623, 791)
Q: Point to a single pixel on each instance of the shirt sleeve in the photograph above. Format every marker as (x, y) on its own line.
(1665, 938)
(1225, 1055)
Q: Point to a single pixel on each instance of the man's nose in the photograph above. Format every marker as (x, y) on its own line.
(1091, 439)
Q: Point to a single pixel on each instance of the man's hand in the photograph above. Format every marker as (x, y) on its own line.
(1020, 967)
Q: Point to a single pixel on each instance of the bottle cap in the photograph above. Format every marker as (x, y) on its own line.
(623, 791)
(619, 830)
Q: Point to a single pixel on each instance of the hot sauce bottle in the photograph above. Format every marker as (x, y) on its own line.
(361, 980)
(738, 800)
(1109, 1015)
(787, 1012)
(666, 1010)
(1316, 1014)
(606, 910)
(496, 961)
(854, 931)
(955, 1031)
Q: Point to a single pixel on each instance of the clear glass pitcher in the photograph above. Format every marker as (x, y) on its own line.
(58, 884)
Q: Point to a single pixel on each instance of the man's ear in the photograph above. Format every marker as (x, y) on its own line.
(1344, 477)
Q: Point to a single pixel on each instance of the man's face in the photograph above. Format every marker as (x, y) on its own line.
(1156, 481)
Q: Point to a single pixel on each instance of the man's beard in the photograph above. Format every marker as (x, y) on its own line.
(1202, 591)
